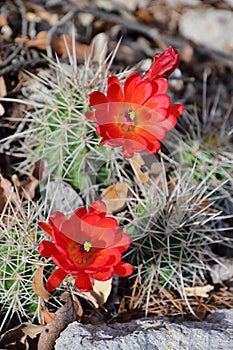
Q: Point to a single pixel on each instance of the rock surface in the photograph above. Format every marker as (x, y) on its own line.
(157, 333)
(211, 27)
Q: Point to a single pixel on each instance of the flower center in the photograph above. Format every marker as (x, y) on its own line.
(128, 124)
(129, 115)
(85, 247)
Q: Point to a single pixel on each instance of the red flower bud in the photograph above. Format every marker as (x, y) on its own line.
(163, 64)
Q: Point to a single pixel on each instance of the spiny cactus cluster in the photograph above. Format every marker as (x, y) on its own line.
(207, 148)
(18, 261)
(58, 129)
(173, 231)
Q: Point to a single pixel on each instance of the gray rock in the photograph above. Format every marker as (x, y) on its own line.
(157, 333)
(229, 2)
(210, 27)
(60, 196)
(175, 3)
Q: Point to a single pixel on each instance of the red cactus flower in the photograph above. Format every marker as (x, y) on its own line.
(137, 117)
(89, 245)
(163, 64)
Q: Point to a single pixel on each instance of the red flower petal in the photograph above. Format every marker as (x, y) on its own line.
(123, 269)
(56, 219)
(157, 101)
(71, 229)
(90, 115)
(133, 143)
(46, 248)
(122, 241)
(104, 274)
(176, 110)
(130, 85)
(114, 255)
(142, 92)
(98, 208)
(55, 279)
(113, 131)
(114, 93)
(80, 212)
(153, 146)
(98, 262)
(59, 255)
(96, 98)
(46, 227)
(113, 80)
(83, 282)
(160, 85)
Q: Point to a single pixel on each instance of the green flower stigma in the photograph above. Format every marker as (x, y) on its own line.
(87, 246)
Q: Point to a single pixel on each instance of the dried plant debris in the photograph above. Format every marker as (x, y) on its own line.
(19, 337)
(66, 314)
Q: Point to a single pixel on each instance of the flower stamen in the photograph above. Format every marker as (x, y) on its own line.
(130, 115)
(85, 247)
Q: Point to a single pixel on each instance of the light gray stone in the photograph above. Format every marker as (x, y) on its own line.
(210, 27)
(229, 2)
(174, 3)
(60, 196)
(157, 333)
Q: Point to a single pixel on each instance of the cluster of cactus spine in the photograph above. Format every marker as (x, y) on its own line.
(173, 232)
(18, 261)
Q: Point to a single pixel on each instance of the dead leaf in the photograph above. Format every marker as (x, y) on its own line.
(37, 13)
(38, 285)
(6, 193)
(137, 164)
(199, 291)
(145, 15)
(18, 335)
(63, 316)
(27, 188)
(115, 196)
(39, 170)
(62, 44)
(3, 20)
(99, 47)
(40, 41)
(100, 293)
(46, 315)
